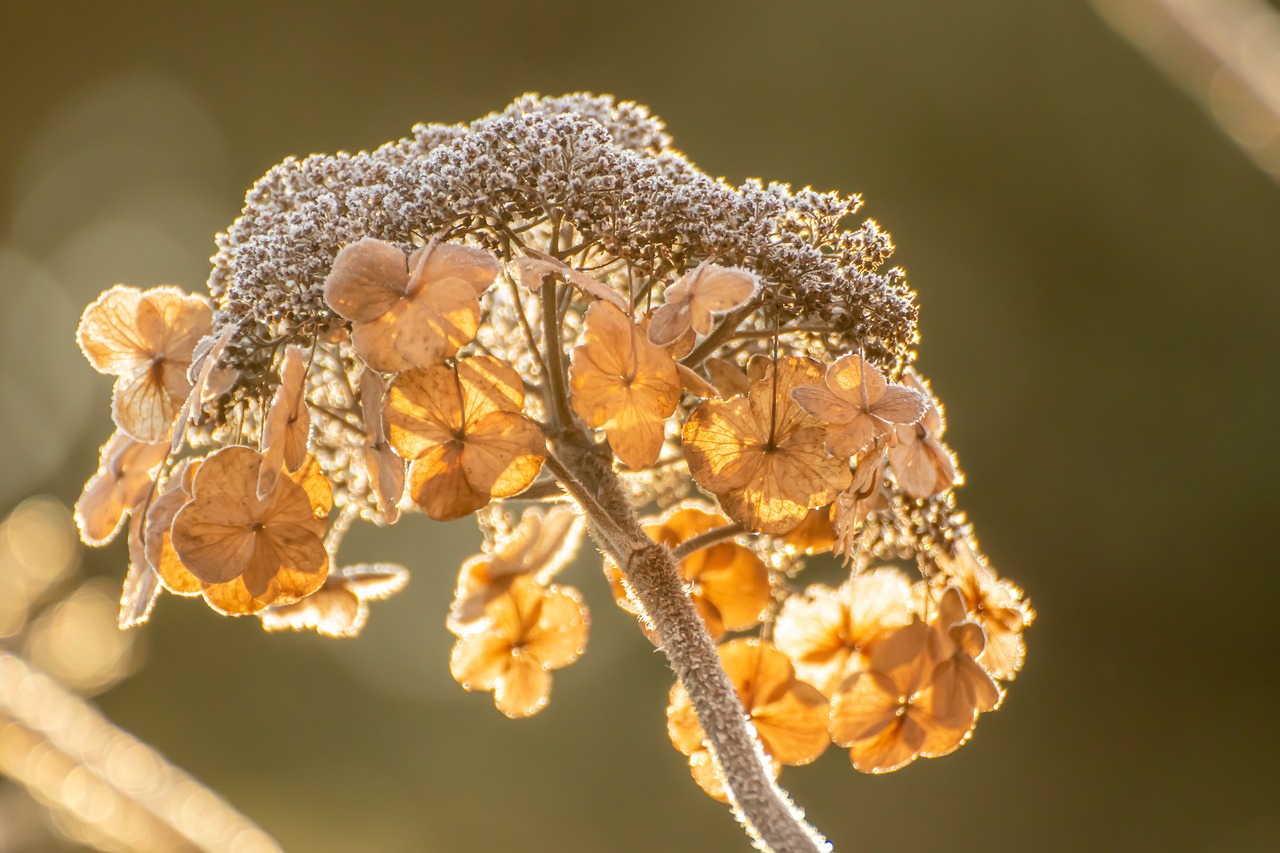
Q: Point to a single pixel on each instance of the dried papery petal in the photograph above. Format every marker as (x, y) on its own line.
(728, 583)
(464, 434)
(996, 604)
(123, 480)
(288, 425)
(208, 380)
(315, 485)
(438, 261)
(340, 607)
(762, 455)
(789, 715)
(864, 496)
(922, 464)
(529, 630)
(250, 553)
(141, 585)
(621, 382)
(829, 634)
(146, 340)
(368, 278)
(159, 540)
(729, 379)
(690, 302)
(814, 535)
(533, 269)
(858, 404)
(695, 384)
(386, 470)
(539, 547)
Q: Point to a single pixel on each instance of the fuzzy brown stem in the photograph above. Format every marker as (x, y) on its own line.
(766, 812)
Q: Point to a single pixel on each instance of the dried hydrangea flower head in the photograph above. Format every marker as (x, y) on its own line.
(552, 305)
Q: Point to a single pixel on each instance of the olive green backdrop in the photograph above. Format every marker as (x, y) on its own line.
(1097, 267)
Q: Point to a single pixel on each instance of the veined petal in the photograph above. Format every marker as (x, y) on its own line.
(108, 332)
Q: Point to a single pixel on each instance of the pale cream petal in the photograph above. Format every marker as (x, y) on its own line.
(368, 277)
(668, 323)
(437, 261)
(100, 510)
(900, 405)
(108, 332)
(330, 612)
(142, 407)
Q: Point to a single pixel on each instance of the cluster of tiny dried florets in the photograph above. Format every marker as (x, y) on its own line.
(429, 327)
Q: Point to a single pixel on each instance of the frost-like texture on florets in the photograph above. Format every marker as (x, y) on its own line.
(605, 168)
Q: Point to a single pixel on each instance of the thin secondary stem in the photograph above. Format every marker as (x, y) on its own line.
(719, 334)
(562, 415)
(705, 540)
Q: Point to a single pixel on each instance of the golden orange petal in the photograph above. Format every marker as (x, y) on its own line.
(488, 385)
(735, 581)
(560, 636)
(891, 749)
(503, 454)
(231, 598)
(160, 551)
(709, 778)
(478, 660)
(523, 688)
(793, 727)
(721, 442)
(439, 487)
(685, 731)
(865, 706)
(423, 409)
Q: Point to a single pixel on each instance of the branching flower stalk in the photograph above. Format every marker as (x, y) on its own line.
(551, 309)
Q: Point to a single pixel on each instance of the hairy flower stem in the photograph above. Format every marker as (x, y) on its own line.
(772, 820)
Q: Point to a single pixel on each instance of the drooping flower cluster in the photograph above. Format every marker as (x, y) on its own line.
(553, 306)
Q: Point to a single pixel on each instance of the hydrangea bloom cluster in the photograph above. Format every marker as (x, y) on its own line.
(551, 321)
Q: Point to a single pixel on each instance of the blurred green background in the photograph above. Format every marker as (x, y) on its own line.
(1097, 267)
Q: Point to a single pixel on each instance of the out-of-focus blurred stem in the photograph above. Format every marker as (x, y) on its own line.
(1224, 53)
